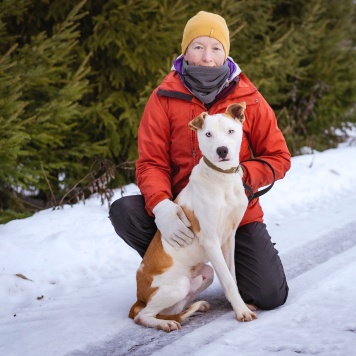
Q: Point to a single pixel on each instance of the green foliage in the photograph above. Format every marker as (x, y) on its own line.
(131, 45)
(74, 79)
(13, 136)
(44, 146)
(322, 85)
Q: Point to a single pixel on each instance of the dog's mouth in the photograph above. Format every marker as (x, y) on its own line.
(224, 160)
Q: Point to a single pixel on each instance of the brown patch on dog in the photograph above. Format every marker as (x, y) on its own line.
(236, 111)
(197, 123)
(155, 261)
(195, 226)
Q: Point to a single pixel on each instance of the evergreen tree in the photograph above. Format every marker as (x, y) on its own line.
(133, 44)
(74, 81)
(13, 136)
(52, 149)
(322, 84)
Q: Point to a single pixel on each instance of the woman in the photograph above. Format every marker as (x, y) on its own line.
(205, 78)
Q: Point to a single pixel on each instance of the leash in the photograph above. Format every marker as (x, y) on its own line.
(263, 191)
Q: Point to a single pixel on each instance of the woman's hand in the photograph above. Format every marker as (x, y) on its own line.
(172, 223)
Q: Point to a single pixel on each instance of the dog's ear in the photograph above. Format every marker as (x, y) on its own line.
(236, 111)
(197, 123)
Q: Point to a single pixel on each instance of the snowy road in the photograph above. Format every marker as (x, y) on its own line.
(81, 278)
(316, 265)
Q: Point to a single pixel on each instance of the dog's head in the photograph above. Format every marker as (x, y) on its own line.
(220, 135)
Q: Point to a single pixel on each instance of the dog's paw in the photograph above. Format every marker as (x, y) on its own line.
(205, 306)
(168, 325)
(246, 315)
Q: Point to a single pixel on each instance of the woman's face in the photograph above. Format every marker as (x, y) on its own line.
(205, 51)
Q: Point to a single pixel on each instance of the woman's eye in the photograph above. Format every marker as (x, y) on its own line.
(208, 134)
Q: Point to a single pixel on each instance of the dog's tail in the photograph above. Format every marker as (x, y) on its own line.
(136, 308)
(201, 306)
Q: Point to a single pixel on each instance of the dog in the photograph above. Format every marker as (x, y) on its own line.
(214, 201)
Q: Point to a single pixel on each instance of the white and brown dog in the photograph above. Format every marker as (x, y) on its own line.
(214, 201)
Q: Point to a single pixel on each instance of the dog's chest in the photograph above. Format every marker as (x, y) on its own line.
(221, 209)
(218, 214)
(229, 214)
(217, 202)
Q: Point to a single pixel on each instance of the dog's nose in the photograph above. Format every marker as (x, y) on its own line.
(222, 151)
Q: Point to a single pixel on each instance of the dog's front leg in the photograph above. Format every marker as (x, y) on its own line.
(228, 250)
(216, 257)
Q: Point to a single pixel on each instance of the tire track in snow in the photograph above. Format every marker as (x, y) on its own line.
(301, 259)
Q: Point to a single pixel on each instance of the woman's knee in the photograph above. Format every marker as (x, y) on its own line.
(272, 297)
(264, 295)
(119, 209)
(132, 223)
(125, 209)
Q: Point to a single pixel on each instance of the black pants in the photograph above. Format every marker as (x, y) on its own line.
(259, 271)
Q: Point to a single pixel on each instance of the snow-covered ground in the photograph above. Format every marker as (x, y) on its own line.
(67, 281)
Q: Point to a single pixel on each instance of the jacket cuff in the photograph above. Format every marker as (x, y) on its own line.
(154, 200)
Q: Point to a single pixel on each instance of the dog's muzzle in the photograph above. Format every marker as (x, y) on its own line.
(222, 151)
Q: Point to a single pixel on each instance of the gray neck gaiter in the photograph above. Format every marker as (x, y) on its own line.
(205, 82)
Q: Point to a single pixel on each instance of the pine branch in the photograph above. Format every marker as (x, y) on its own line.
(49, 185)
(101, 173)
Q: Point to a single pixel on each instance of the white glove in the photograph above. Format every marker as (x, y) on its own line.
(173, 224)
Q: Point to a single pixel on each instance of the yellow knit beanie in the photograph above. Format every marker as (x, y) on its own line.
(206, 24)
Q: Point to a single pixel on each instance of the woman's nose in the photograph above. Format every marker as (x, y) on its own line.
(207, 55)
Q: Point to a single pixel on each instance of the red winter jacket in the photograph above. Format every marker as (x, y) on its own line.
(168, 149)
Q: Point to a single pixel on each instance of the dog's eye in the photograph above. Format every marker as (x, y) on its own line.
(231, 131)
(208, 134)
